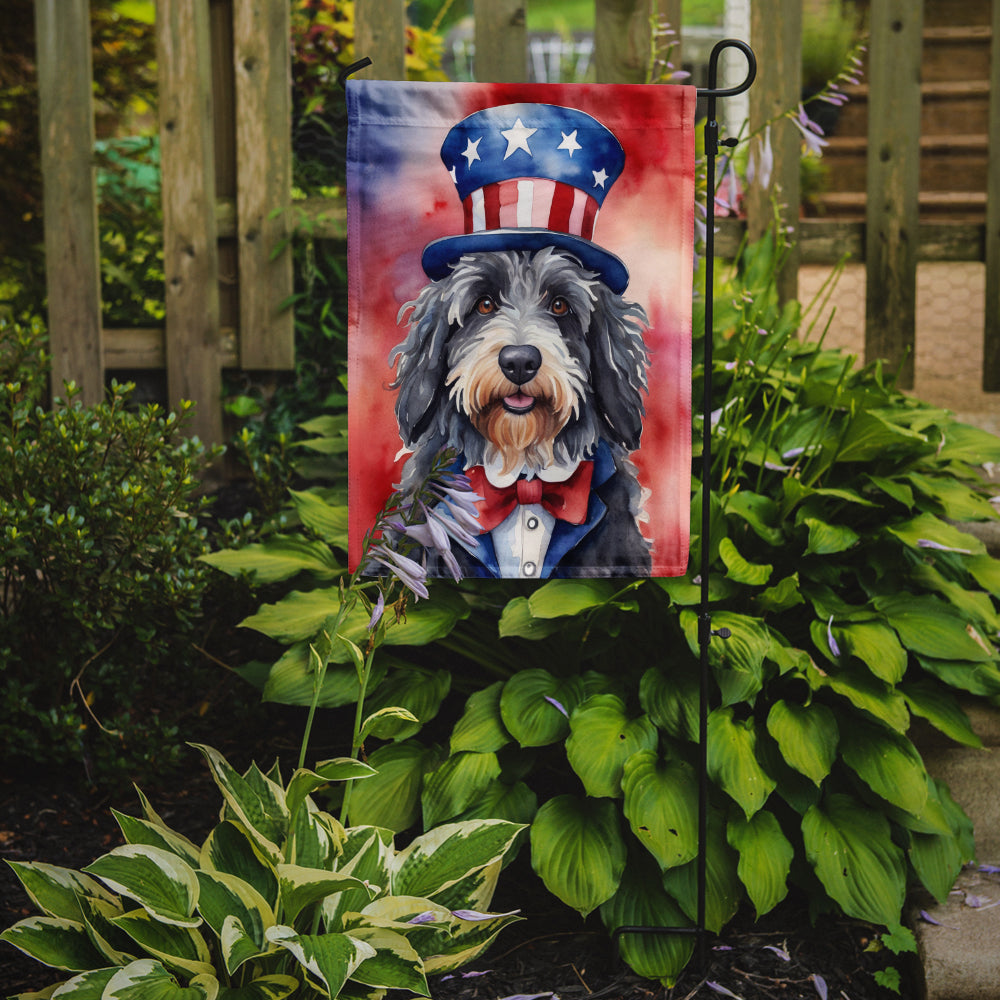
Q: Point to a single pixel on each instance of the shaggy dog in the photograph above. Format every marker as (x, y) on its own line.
(527, 364)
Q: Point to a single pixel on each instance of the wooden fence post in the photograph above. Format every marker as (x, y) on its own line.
(262, 61)
(892, 214)
(72, 255)
(380, 34)
(776, 35)
(991, 332)
(501, 41)
(622, 40)
(190, 251)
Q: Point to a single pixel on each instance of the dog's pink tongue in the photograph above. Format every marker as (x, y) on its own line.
(519, 401)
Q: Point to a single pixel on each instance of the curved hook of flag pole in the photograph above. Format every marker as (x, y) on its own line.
(352, 68)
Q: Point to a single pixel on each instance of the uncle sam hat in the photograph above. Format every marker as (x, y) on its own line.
(530, 176)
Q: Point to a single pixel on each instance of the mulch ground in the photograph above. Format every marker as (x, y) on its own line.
(551, 952)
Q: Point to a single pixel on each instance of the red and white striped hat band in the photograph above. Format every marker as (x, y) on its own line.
(531, 203)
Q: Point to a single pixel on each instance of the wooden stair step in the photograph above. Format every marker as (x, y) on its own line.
(951, 204)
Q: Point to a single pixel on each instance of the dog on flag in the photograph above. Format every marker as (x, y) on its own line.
(523, 355)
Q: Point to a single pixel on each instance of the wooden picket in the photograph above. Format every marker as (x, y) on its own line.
(226, 160)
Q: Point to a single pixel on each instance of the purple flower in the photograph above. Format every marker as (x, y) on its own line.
(410, 573)
(820, 983)
(780, 952)
(719, 988)
(811, 132)
(761, 163)
(427, 917)
(377, 611)
(475, 915)
(558, 705)
(927, 543)
(834, 648)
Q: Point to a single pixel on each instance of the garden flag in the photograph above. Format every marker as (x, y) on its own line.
(520, 271)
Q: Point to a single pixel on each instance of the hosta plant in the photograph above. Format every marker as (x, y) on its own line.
(279, 900)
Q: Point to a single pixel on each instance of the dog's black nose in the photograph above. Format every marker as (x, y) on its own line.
(520, 363)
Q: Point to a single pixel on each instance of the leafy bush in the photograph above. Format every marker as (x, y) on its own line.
(279, 899)
(854, 601)
(101, 587)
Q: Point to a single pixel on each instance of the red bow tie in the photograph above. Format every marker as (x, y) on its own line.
(567, 500)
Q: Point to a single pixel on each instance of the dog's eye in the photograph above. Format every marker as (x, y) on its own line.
(486, 305)
(559, 306)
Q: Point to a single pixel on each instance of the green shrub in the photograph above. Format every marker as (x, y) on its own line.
(279, 900)
(101, 584)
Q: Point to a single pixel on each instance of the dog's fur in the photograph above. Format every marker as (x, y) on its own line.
(588, 388)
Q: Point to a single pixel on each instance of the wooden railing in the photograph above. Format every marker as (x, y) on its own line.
(226, 161)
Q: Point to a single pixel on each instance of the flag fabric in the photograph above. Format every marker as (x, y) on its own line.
(520, 273)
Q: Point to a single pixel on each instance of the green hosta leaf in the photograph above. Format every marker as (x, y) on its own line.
(928, 528)
(180, 948)
(417, 690)
(751, 574)
(986, 571)
(783, 595)
(932, 628)
(738, 661)
(395, 964)
(641, 901)
(870, 435)
(765, 858)
(443, 856)
(723, 889)
(279, 558)
(941, 709)
(141, 831)
(54, 941)
(391, 798)
(864, 691)
(230, 849)
(330, 959)
(827, 539)
(671, 700)
(387, 723)
(56, 891)
(965, 443)
(578, 851)
(807, 736)
(976, 678)
(602, 738)
(147, 979)
(516, 803)
(517, 620)
(975, 605)
(888, 763)
(683, 592)
(661, 799)
(226, 898)
(850, 847)
(481, 728)
(560, 598)
(301, 887)
(275, 987)
(260, 809)
(758, 511)
(456, 784)
(159, 881)
(893, 488)
(535, 706)
(937, 859)
(957, 501)
(732, 760)
(292, 680)
(327, 520)
(876, 646)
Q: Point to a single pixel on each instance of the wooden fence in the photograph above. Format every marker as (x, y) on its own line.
(226, 161)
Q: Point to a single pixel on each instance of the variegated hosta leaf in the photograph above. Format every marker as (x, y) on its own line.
(807, 736)
(230, 849)
(225, 897)
(116, 947)
(850, 847)
(158, 880)
(141, 831)
(315, 838)
(723, 889)
(467, 940)
(732, 760)
(304, 782)
(147, 979)
(481, 727)
(329, 959)
(765, 858)
(274, 987)
(441, 857)
(56, 891)
(535, 706)
(642, 902)
(661, 805)
(475, 891)
(301, 887)
(578, 851)
(86, 986)
(456, 784)
(367, 853)
(256, 801)
(602, 737)
(177, 947)
(395, 964)
(54, 941)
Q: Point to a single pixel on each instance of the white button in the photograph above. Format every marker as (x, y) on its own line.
(528, 569)
(532, 523)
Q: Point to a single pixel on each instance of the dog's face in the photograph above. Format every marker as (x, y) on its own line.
(530, 352)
